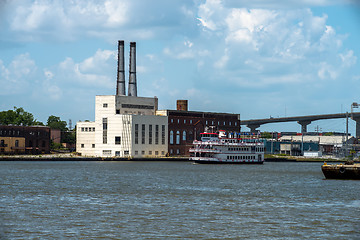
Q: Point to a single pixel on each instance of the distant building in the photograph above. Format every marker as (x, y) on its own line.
(185, 126)
(24, 139)
(124, 126)
(327, 144)
(55, 135)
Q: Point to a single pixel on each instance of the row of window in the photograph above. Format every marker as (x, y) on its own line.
(9, 132)
(126, 152)
(241, 157)
(149, 133)
(246, 149)
(17, 133)
(178, 137)
(242, 149)
(219, 123)
(88, 129)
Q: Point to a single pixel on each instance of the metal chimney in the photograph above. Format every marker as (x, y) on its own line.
(132, 91)
(120, 83)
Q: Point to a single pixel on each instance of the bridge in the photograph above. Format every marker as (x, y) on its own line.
(253, 124)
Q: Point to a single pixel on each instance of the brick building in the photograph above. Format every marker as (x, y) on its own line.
(185, 126)
(24, 140)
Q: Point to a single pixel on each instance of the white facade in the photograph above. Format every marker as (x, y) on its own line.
(85, 138)
(124, 127)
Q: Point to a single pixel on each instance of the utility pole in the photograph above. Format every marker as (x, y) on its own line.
(347, 133)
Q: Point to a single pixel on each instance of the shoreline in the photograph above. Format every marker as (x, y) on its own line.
(74, 157)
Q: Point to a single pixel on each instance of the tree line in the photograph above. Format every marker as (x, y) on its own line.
(20, 117)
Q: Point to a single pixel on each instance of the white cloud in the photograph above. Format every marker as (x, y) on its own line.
(51, 90)
(348, 59)
(15, 78)
(81, 73)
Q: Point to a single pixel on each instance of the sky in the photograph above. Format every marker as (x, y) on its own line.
(257, 58)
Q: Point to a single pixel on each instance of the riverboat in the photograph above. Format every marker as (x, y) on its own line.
(349, 170)
(222, 147)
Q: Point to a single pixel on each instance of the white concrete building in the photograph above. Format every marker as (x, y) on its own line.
(125, 126)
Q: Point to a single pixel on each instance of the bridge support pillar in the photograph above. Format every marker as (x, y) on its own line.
(253, 127)
(304, 125)
(357, 120)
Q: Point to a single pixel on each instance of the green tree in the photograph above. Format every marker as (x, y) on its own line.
(266, 135)
(56, 123)
(18, 116)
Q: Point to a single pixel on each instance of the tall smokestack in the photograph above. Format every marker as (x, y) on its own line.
(120, 83)
(132, 91)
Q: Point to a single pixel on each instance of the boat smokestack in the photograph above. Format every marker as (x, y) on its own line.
(120, 83)
(132, 91)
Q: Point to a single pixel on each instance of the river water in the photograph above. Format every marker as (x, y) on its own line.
(175, 200)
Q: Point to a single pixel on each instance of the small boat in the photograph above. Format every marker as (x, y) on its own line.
(349, 170)
(222, 147)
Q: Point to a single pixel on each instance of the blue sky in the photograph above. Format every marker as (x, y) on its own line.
(259, 59)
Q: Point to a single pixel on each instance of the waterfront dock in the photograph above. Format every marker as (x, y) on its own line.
(75, 157)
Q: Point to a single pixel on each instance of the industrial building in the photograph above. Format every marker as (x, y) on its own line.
(124, 126)
(24, 139)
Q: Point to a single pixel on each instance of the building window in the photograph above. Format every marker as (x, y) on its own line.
(82, 129)
(105, 105)
(235, 123)
(230, 123)
(105, 127)
(136, 152)
(142, 152)
(117, 140)
(171, 137)
(82, 145)
(86, 129)
(93, 145)
(184, 135)
(178, 120)
(156, 134)
(212, 122)
(156, 153)
(218, 123)
(93, 129)
(150, 134)
(171, 151)
(162, 152)
(143, 134)
(184, 121)
(206, 122)
(150, 152)
(171, 120)
(177, 137)
(117, 111)
(136, 133)
(224, 123)
(106, 152)
(163, 134)
(126, 152)
(117, 153)
(16, 143)
(177, 151)
(190, 121)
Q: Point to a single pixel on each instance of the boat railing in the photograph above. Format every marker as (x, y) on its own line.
(207, 150)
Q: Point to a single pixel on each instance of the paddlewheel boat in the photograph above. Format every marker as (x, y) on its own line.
(220, 147)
